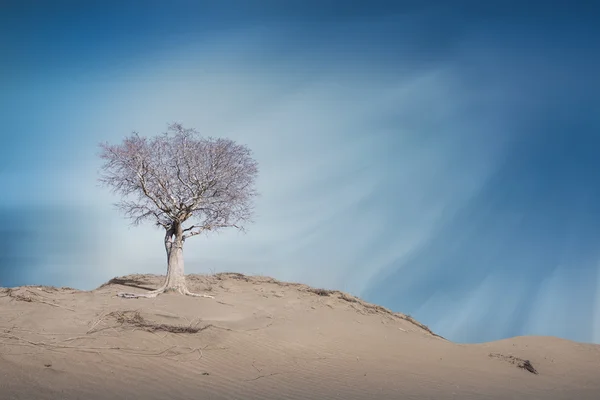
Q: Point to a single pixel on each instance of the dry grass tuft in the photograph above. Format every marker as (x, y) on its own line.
(348, 298)
(519, 362)
(27, 295)
(14, 293)
(133, 281)
(135, 319)
(232, 275)
(320, 292)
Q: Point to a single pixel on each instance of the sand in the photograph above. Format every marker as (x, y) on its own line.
(261, 339)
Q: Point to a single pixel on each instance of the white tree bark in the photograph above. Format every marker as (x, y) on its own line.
(175, 281)
(175, 267)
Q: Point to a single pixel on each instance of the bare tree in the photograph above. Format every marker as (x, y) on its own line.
(178, 177)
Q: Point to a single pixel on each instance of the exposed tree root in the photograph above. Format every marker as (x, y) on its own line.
(152, 294)
(188, 293)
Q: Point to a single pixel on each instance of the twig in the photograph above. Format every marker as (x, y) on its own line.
(54, 305)
(84, 348)
(199, 350)
(263, 376)
(256, 329)
(75, 338)
(96, 323)
(14, 328)
(255, 367)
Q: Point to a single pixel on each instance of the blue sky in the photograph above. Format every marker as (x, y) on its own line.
(440, 160)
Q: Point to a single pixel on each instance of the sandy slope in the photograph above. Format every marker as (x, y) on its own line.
(260, 339)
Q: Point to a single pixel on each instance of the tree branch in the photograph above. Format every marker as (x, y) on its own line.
(208, 228)
(173, 178)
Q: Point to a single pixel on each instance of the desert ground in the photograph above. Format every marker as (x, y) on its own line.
(261, 339)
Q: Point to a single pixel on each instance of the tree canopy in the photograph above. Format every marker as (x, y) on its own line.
(180, 176)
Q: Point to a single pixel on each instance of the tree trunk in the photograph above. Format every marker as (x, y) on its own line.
(175, 275)
(175, 271)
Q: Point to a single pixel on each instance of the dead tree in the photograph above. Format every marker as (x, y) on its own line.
(184, 183)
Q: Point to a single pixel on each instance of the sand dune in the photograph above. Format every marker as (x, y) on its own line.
(261, 339)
